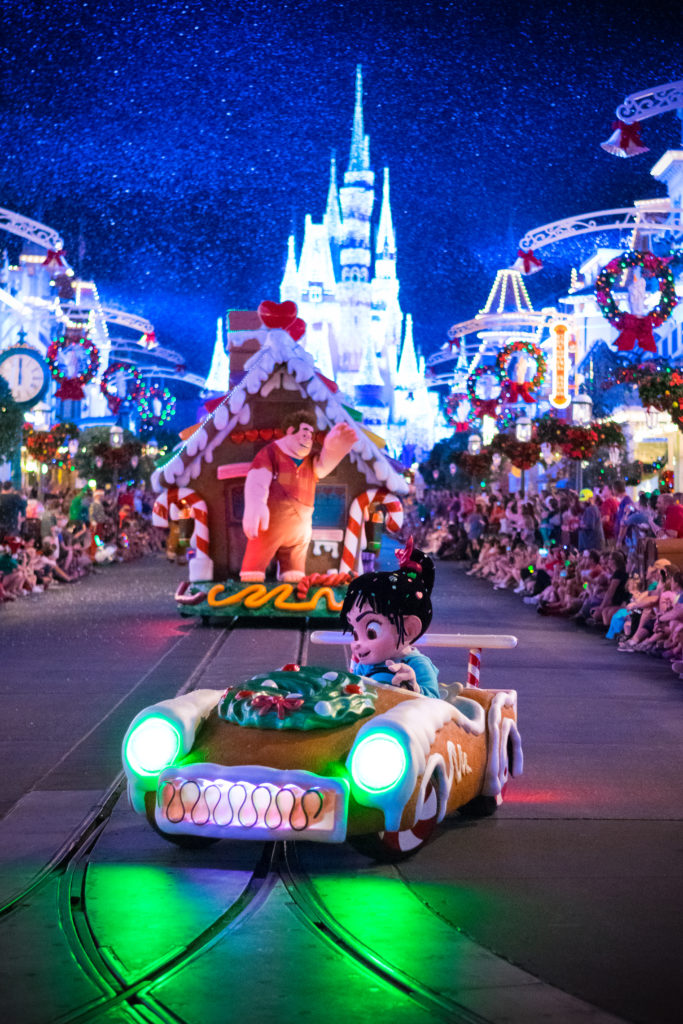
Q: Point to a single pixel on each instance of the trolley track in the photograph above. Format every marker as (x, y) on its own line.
(139, 994)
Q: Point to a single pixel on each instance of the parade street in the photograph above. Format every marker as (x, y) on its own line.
(563, 906)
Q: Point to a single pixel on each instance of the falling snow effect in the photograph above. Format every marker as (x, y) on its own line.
(175, 146)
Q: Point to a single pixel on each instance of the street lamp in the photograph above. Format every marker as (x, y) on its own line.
(651, 418)
(115, 436)
(152, 449)
(523, 429)
(474, 444)
(582, 412)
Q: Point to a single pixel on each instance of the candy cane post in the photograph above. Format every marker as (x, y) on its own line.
(473, 666)
(358, 514)
(559, 391)
(167, 506)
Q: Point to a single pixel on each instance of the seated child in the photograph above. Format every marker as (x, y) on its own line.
(387, 612)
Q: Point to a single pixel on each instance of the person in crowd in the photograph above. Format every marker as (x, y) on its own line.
(12, 510)
(591, 534)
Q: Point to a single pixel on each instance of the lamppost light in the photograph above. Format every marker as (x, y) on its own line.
(582, 410)
(115, 436)
(523, 429)
(474, 444)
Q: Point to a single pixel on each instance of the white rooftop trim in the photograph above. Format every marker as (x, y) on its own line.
(279, 350)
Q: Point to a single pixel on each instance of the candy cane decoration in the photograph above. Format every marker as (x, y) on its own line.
(168, 506)
(473, 666)
(358, 514)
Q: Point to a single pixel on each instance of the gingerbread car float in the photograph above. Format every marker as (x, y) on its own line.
(323, 755)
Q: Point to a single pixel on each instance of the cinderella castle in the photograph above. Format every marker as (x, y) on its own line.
(346, 286)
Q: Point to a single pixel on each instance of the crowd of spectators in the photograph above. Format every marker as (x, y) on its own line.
(57, 539)
(569, 554)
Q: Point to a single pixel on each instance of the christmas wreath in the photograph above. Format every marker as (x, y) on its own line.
(110, 381)
(515, 390)
(71, 384)
(145, 402)
(636, 329)
(452, 403)
(483, 406)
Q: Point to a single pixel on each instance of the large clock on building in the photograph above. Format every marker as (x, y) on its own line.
(27, 374)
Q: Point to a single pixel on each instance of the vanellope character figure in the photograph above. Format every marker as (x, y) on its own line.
(387, 612)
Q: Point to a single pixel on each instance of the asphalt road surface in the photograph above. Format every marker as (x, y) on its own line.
(567, 905)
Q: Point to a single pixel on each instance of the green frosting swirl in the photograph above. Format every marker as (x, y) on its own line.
(312, 698)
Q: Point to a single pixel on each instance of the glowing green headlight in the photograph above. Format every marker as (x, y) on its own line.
(152, 746)
(378, 762)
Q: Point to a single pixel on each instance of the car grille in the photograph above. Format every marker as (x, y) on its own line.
(251, 802)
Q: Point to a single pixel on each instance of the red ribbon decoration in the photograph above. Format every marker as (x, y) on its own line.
(54, 258)
(460, 428)
(70, 390)
(520, 391)
(404, 560)
(630, 134)
(265, 702)
(486, 407)
(635, 330)
(529, 259)
(282, 315)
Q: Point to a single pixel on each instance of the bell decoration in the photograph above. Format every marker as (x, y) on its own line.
(527, 262)
(625, 140)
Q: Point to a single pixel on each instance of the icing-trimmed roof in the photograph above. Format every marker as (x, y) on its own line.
(278, 351)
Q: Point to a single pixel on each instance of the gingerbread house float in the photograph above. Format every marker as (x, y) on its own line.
(270, 376)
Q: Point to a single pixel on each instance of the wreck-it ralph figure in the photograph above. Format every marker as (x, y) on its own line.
(279, 494)
(387, 612)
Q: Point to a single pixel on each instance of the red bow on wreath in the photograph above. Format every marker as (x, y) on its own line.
(635, 329)
(520, 391)
(265, 702)
(70, 390)
(486, 407)
(461, 428)
(528, 259)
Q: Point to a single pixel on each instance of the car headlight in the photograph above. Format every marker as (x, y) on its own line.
(152, 745)
(378, 762)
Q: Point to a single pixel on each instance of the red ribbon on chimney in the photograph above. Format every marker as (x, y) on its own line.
(529, 259)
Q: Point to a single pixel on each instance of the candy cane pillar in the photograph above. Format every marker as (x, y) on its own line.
(358, 514)
(167, 506)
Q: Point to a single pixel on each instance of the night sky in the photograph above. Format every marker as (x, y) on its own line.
(175, 145)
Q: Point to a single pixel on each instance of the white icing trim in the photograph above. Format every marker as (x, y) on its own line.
(279, 350)
(501, 731)
(415, 724)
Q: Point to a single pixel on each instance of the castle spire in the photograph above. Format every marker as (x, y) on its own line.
(408, 368)
(359, 158)
(218, 377)
(333, 219)
(386, 241)
(290, 282)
